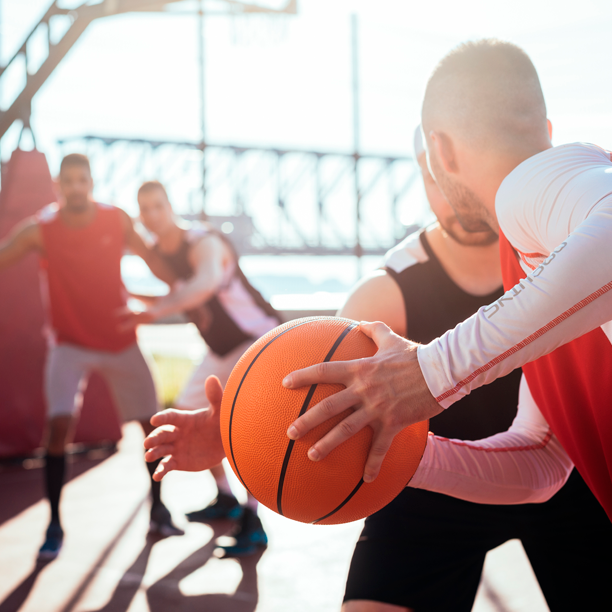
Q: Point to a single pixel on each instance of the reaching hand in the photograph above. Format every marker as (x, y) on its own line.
(128, 319)
(386, 392)
(189, 440)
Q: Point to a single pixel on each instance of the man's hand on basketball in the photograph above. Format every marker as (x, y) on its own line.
(386, 392)
(188, 440)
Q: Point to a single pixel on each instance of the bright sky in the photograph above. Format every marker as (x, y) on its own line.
(136, 75)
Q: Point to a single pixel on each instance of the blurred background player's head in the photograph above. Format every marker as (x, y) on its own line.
(440, 206)
(483, 109)
(74, 183)
(156, 211)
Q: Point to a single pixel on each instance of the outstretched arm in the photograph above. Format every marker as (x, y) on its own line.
(136, 244)
(25, 238)
(188, 440)
(206, 257)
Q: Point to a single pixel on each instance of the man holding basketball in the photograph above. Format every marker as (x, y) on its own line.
(487, 138)
(80, 243)
(230, 315)
(489, 149)
(424, 550)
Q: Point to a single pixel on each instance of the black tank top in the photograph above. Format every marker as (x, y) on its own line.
(435, 304)
(220, 330)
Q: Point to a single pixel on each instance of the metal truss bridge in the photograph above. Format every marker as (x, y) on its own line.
(271, 201)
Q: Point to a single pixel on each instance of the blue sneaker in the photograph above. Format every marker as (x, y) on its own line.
(249, 537)
(53, 543)
(224, 507)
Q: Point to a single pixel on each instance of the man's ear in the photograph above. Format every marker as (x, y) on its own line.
(549, 128)
(444, 150)
(56, 186)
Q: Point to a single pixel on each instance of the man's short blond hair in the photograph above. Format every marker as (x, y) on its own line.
(487, 91)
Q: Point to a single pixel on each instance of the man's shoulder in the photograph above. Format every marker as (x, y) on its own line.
(407, 253)
(555, 184)
(47, 214)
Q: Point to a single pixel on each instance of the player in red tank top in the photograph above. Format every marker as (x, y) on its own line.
(80, 244)
(83, 276)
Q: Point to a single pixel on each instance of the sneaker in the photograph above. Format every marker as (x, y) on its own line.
(249, 537)
(224, 507)
(53, 543)
(161, 522)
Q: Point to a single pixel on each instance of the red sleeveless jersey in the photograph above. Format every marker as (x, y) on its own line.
(83, 276)
(572, 387)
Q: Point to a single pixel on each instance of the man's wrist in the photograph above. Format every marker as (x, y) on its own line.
(435, 374)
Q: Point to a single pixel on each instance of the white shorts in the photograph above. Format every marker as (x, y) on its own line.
(128, 376)
(193, 395)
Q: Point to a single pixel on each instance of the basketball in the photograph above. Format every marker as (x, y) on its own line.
(257, 410)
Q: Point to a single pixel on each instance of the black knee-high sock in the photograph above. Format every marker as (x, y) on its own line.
(55, 469)
(155, 486)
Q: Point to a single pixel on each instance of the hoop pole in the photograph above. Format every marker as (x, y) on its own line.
(356, 139)
(202, 87)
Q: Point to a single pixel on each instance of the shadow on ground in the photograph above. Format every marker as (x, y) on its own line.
(26, 485)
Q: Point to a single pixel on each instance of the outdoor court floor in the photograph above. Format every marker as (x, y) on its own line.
(109, 564)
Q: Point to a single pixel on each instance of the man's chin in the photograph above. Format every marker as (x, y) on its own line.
(79, 206)
(479, 238)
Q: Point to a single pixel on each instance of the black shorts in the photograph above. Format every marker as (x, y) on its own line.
(425, 550)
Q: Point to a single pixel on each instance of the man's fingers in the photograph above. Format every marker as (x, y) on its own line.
(127, 325)
(343, 431)
(171, 416)
(161, 435)
(165, 466)
(214, 392)
(379, 332)
(381, 442)
(326, 372)
(319, 413)
(157, 452)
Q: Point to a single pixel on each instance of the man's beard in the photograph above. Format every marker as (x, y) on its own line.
(475, 239)
(468, 208)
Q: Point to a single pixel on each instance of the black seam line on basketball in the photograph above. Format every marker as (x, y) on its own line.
(238, 391)
(346, 501)
(281, 480)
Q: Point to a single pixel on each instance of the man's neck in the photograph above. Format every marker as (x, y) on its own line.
(475, 269)
(78, 217)
(490, 178)
(171, 239)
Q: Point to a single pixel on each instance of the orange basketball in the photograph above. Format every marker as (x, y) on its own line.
(257, 410)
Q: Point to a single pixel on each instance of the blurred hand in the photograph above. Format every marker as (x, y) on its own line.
(189, 440)
(128, 319)
(386, 392)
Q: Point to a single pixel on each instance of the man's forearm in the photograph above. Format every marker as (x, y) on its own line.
(525, 464)
(185, 297)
